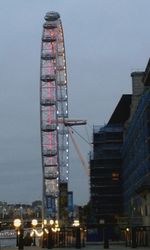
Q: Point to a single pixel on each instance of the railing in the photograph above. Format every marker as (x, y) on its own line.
(64, 237)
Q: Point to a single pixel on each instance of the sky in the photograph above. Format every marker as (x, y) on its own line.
(105, 40)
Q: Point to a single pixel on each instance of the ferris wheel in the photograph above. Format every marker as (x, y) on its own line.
(53, 112)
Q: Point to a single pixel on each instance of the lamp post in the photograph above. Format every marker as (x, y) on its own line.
(127, 231)
(76, 224)
(83, 236)
(50, 240)
(34, 224)
(51, 222)
(19, 234)
(17, 224)
(44, 233)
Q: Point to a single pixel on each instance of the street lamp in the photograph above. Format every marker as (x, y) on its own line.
(127, 232)
(50, 240)
(76, 224)
(34, 224)
(51, 222)
(45, 233)
(17, 224)
(19, 232)
(45, 222)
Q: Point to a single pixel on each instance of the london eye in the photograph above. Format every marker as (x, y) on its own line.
(53, 112)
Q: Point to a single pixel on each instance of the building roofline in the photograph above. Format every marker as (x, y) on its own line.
(146, 77)
(122, 111)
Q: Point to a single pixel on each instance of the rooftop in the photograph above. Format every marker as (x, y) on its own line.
(122, 111)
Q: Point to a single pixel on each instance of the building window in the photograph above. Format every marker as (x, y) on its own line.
(115, 176)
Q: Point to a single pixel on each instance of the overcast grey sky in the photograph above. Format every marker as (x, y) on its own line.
(105, 41)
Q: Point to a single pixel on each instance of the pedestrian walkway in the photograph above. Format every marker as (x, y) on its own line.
(87, 247)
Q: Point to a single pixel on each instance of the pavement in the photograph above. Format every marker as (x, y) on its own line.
(87, 247)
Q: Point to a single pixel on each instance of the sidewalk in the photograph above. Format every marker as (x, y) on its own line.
(88, 247)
